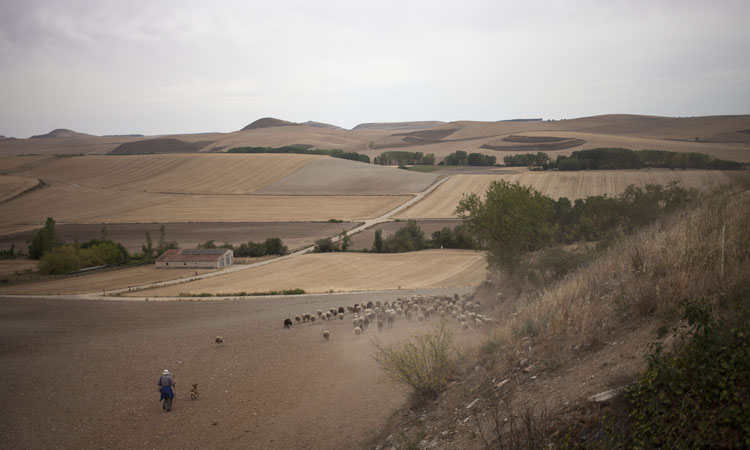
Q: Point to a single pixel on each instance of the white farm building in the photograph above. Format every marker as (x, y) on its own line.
(202, 258)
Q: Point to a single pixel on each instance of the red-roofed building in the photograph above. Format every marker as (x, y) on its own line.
(202, 258)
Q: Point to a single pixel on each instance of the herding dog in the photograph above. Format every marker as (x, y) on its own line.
(194, 392)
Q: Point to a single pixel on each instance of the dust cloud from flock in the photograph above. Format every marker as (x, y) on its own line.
(158, 67)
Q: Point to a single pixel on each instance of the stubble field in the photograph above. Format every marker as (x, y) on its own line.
(443, 201)
(342, 272)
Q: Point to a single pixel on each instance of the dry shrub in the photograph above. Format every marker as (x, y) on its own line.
(646, 274)
(424, 362)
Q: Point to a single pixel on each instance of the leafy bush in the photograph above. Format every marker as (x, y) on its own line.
(424, 363)
(397, 157)
(698, 396)
(325, 245)
(623, 158)
(527, 159)
(69, 258)
(44, 240)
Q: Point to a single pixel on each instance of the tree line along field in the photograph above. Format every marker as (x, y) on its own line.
(341, 272)
(132, 236)
(573, 185)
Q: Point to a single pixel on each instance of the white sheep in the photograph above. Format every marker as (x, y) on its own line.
(326, 335)
(357, 331)
(219, 340)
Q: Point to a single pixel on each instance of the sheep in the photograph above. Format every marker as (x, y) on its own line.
(326, 335)
(380, 325)
(312, 318)
(464, 326)
(357, 331)
(420, 318)
(298, 319)
(341, 317)
(287, 323)
(391, 317)
(219, 340)
(320, 313)
(341, 310)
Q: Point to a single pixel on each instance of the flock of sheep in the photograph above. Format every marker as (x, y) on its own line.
(384, 314)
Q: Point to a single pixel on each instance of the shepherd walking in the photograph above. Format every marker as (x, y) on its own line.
(166, 388)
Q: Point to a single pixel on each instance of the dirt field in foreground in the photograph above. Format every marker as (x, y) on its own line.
(82, 374)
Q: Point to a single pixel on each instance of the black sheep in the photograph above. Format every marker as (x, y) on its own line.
(287, 323)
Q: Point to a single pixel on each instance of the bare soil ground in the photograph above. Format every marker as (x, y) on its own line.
(82, 375)
(11, 266)
(132, 236)
(364, 239)
(344, 272)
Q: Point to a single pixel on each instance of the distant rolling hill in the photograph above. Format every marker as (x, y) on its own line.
(725, 137)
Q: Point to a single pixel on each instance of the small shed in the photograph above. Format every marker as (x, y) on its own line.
(201, 258)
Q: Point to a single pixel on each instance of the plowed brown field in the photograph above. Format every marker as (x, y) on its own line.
(323, 272)
(443, 201)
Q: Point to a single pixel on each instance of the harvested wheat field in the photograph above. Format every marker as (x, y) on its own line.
(75, 204)
(82, 374)
(173, 173)
(107, 279)
(11, 186)
(342, 272)
(10, 164)
(443, 201)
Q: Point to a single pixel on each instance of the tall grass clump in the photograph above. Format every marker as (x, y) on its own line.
(645, 275)
(424, 363)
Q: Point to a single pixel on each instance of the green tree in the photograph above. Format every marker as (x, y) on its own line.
(345, 240)
(274, 246)
(511, 221)
(62, 259)
(148, 246)
(377, 243)
(44, 240)
(164, 245)
(407, 239)
(325, 245)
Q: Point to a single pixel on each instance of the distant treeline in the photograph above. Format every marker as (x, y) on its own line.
(354, 156)
(622, 158)
(392, 158)
(461, 158)
(271, 246)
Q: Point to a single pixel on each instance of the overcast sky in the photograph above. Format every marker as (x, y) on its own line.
(159, 67)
